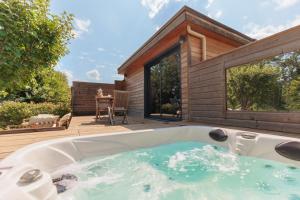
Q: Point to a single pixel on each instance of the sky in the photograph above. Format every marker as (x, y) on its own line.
(107, 32)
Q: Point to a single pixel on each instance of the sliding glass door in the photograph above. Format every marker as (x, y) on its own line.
(162, 88)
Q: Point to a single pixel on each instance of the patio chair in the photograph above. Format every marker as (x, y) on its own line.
(119, 107)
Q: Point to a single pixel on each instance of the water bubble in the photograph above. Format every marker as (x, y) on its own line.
(263, 186)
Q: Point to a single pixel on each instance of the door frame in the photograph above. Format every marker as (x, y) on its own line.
(147, 84)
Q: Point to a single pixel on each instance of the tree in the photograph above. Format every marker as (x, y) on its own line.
(292, 94)
(31, 39)
(46, 85)
(289, 64)
(253, 86)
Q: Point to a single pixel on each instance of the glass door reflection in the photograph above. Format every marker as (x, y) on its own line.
(164, 92)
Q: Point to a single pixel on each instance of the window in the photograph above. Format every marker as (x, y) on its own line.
(267, 85)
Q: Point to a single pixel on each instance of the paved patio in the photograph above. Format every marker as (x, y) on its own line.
(86, 125)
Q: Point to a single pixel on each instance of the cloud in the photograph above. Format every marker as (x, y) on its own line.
(81, 26)
(93, 74)
(209, 3)
(216, 15)
(154, 6)
(118, 76)
(69, 75)
(91, 60)
(101, 49)
(219, 14)
(282, 4)
(85, 56)
(100, 66)
(113, 54)
(261, 31)
(66, 72)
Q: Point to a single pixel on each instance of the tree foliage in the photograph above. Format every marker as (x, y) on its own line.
(292, 93)
(271, 84)
(165, 85)
(252, 86)
(13, 113)
(32, 40)
(46, 85)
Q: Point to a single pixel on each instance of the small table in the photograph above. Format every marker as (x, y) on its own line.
(102, 104)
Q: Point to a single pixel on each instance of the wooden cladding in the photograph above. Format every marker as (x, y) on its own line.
(135, 86)
(207, 86)
(83, 96)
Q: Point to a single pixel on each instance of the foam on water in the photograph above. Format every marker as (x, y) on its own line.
(188, 170)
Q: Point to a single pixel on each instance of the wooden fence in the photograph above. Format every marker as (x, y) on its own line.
(83, 96)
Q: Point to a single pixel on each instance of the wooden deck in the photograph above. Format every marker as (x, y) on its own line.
(86, 125)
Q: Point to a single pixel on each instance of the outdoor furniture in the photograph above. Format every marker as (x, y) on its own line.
(102, 103)
(119, 106)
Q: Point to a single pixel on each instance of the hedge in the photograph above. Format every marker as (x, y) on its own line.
(13, 113)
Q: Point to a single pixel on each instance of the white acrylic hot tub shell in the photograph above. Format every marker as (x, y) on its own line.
(51, 155)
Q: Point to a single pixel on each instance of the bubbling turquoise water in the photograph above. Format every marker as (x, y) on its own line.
(182, 171)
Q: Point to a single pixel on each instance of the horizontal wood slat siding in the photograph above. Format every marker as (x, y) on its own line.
(135, 86)
(208, 89)
(216, 47)
(83, 96)
(206, 94)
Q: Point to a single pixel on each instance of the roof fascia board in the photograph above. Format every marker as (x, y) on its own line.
(173, 23)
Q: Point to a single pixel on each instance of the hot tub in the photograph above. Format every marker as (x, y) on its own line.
(175, 157)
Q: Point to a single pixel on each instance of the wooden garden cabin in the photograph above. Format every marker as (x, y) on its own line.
(180, 72)
(195, 37)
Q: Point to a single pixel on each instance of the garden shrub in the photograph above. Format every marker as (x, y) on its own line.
(13, 113)
(168, 108)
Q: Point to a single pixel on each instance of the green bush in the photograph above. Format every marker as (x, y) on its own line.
(13, 113)
(169, 108)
